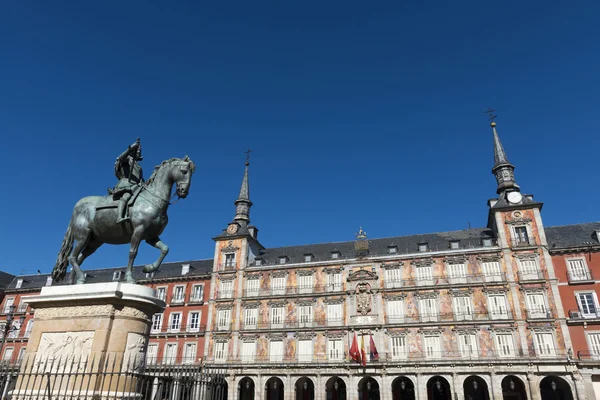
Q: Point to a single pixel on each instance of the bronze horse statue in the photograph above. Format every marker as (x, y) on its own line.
(94, 221)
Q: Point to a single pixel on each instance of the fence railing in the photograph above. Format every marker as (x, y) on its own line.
(108, 376)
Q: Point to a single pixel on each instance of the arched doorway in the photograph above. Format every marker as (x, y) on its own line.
(438, 388)
(513, 388)
(274, 389)
(555, 388)
(305, 389)
(335, 388)
(403, 389)
(368, 389)
(475, 388)
(246, 389)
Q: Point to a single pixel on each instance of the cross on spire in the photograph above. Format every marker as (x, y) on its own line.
(490, 114)
(247, 152)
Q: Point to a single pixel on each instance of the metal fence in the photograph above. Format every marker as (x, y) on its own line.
(109, 376)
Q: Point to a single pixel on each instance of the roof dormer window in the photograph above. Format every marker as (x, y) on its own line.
(487, 242)
(185, 269)
(308, 257)
(335, 255)
(283, 259)
(258, 261)
(49, 281)
(392, 249)
(19, 284)
(423, 247)
(455, 244)
(116, 275)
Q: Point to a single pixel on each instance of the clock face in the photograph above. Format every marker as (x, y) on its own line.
(231, 229)
(514, 197)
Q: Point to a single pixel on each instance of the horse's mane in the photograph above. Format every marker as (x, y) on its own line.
(165, 162)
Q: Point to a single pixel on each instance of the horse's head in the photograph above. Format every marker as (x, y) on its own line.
(181, 173)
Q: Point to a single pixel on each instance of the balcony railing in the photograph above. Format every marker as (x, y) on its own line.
(292, 290)
(292, 324)
(226, 267)
(581, 276)
(523, 242)
(166, 330)
(579, 315)
(441, 317)
(540, 314)
(588, 356)
(531, 276)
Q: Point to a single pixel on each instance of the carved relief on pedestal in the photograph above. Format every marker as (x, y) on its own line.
(135, 352)
(61, 348)
(73, 311)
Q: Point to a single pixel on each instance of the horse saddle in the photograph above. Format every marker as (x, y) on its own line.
(110, 202)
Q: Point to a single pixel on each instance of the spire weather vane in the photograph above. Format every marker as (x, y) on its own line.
(247, 152)
(490, 114)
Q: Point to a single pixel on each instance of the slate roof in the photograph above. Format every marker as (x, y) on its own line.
(578, 235)
(5, 279)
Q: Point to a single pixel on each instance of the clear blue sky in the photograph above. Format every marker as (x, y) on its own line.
(358, 113)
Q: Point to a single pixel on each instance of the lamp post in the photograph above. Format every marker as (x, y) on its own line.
(8, 327)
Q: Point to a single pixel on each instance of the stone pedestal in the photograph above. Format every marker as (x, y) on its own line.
(87, 341)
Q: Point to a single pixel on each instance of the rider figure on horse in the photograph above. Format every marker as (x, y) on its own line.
(129, 173)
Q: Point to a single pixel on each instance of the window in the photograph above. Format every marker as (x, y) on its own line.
(282, 260)
(536, 305)
(308, 257)
(335, 255)
(544, 344)
(21, 354)
(463, 310)
(395, 311)
(49, 281)
(170, 353)
(149, 275)
(229, 260)
(594, 344)
(178, 294)
(189, 353)
(156, 322)
(305, 314)
(116, 275)
(529, 269)
(399, 347)
(497, 306)
(220, 351)
(424, 276)
(491, 270)
(197, 292)
(258, 261)
(455, 244)
(185, 269)
(161, 293)
(521, 235)
(223, 319)
(457, 273)
(194, 321)
(174, 322)
(428, 308)
(467, 344)
(248, 351)
(8, 353)
(505, 345)
(250, 318)
(392, 249)
(334, 314)
(578, 270)
(334, 281)
(588, 304)
(432, 346)
(487, 242)
(276, 350)
(277, 317)
(252, 287)
(335, 349)
(305, 350)
(278, 285)
(393, 279)
(306, 283)
(8, 303)
(423, 247)
(28, 328)
(226, 291)
(19, 284)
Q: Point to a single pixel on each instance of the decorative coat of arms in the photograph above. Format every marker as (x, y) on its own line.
(363, 298)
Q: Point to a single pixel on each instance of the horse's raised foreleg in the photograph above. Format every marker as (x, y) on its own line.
(136, 238)
(82, 237)
(164, 250)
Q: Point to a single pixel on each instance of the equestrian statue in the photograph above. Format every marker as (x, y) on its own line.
(134, 210)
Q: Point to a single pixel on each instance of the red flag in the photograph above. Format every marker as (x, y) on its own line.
(354, 353)
(373, 350)
(363, 352)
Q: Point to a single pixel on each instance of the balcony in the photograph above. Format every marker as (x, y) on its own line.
(291, 291)
(586, 356)
(472, 279)
(452, 317)
(523, 242)
(225, 267)
(580, 277)
(225, 295)
(540, 314)
(577, 317)
(178, 330)
(531, 276)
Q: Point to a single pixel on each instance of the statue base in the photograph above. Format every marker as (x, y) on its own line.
(88, 341)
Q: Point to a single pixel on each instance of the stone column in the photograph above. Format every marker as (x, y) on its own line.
(534, 390)
(579, 387)
(456, 390)
(99, 331)
(420, 388)
(496, 387)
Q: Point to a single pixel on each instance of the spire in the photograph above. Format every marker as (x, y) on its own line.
(243, 203)
(502, 169)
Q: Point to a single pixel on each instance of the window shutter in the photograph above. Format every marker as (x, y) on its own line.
(305, 350)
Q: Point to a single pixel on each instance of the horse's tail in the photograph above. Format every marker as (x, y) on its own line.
(62, 260)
